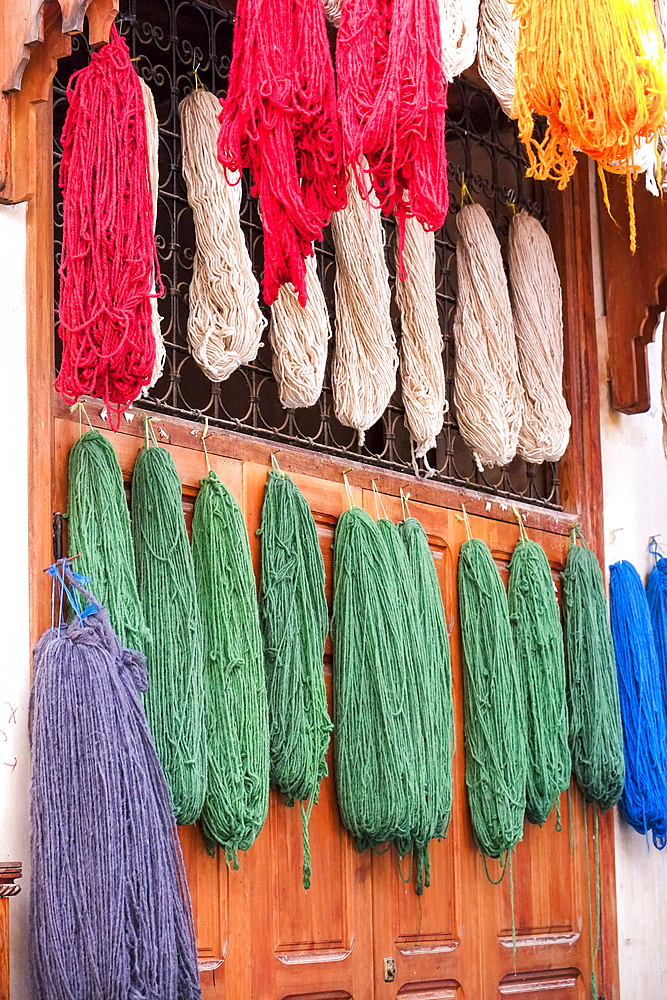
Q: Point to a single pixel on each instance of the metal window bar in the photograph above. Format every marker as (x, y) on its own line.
(168, 40)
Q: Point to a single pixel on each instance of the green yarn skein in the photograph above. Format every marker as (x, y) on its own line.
(175, 697)
(494, 709)
(235, 706)
(596, 734)
(540, 658)
(375, 735)
(99, 530)
(295, 623)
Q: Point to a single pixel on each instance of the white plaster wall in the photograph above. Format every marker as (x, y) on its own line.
(635, 506)
(15, 655)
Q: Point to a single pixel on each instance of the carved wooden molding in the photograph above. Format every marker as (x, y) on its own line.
(635, 289)
(34, 34)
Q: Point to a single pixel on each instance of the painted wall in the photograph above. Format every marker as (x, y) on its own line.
(15, 661)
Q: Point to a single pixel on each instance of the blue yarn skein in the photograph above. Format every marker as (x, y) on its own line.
(644, 799)
(656, 594)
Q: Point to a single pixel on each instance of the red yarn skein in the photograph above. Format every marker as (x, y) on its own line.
(279, 118)
(392, 98)
(108, 258)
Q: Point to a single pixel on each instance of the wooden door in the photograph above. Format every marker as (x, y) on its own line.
(260, 934)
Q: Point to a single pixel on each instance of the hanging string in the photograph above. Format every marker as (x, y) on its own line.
(112, 914)
(458, 31)
(153, 142)
(392, 98)
(487, 391)
(644, 799)
(656, 595)
(422, 371)
(225, 323)
(295, 624)
(496, 52)
(109, 261)
(537, 308)
(300, 341)
(98, 528)
(540, 660)
(235, 705)
(365, 359)
(279, 119)
(166, 585)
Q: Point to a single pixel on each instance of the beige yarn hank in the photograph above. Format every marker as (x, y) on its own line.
(153, 140)
(225, 323)
(496, 49)
(332, 11)
(365, 358)
(487, 391)
(299, 338)
(537, 306)
(458, 31)
(422, 371)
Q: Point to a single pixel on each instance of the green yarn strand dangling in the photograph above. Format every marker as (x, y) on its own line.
(494, 705)
(295, 624)
(175, 697)
(99, 530)
(235, 705)
(540, 660)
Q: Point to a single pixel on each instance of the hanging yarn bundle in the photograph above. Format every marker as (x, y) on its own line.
(153, 141)
(644, 799)
(487, 391)
(235, 706)
(295, 623)
(538, 644)
(98, 530)
(422, 370)
(365, 359)
(377, 769)
(299, 338)
(392, 98)
(537, 307)
(433, 687)
(458, 31)
(660, 12)
(279, 118)
(596, 737)
(595, 69)
(656, 595)
(496, 49)
(494, 706)
(225, 323)
(109, 261)
(166, 584)
(110, 911)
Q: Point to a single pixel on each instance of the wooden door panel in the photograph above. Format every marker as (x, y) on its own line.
(566, 984)
(436, 990)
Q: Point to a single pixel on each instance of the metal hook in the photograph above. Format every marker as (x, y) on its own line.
(203, 441)
(465, 521)
(378, 498)
(347, 486)
(274, 463)
(404, 503)
(523, 534)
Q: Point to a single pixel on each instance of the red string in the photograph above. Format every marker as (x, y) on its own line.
(392, 98)
(108, 258)
(279, 118)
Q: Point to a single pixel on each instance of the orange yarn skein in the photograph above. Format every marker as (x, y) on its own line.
(594, 68)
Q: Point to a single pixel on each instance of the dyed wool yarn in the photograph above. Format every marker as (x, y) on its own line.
(295, 623)
(596, 736)
(109, 261)
(422, 370)
(537, 307)
(152, 142)
(458, 31)
(166, 584)
(375, 735)
(594, 68)
(365, 358)
(235, 706)
(392, 98)
(110, 912)
(487, 391)
(98, 529)
(644, 799)
(540, 661)
(300, 341)
(656, 595)
(433, 688)
(496, 50)
(660, 11)
(494, 706)
(279, 118)
(225, 323)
